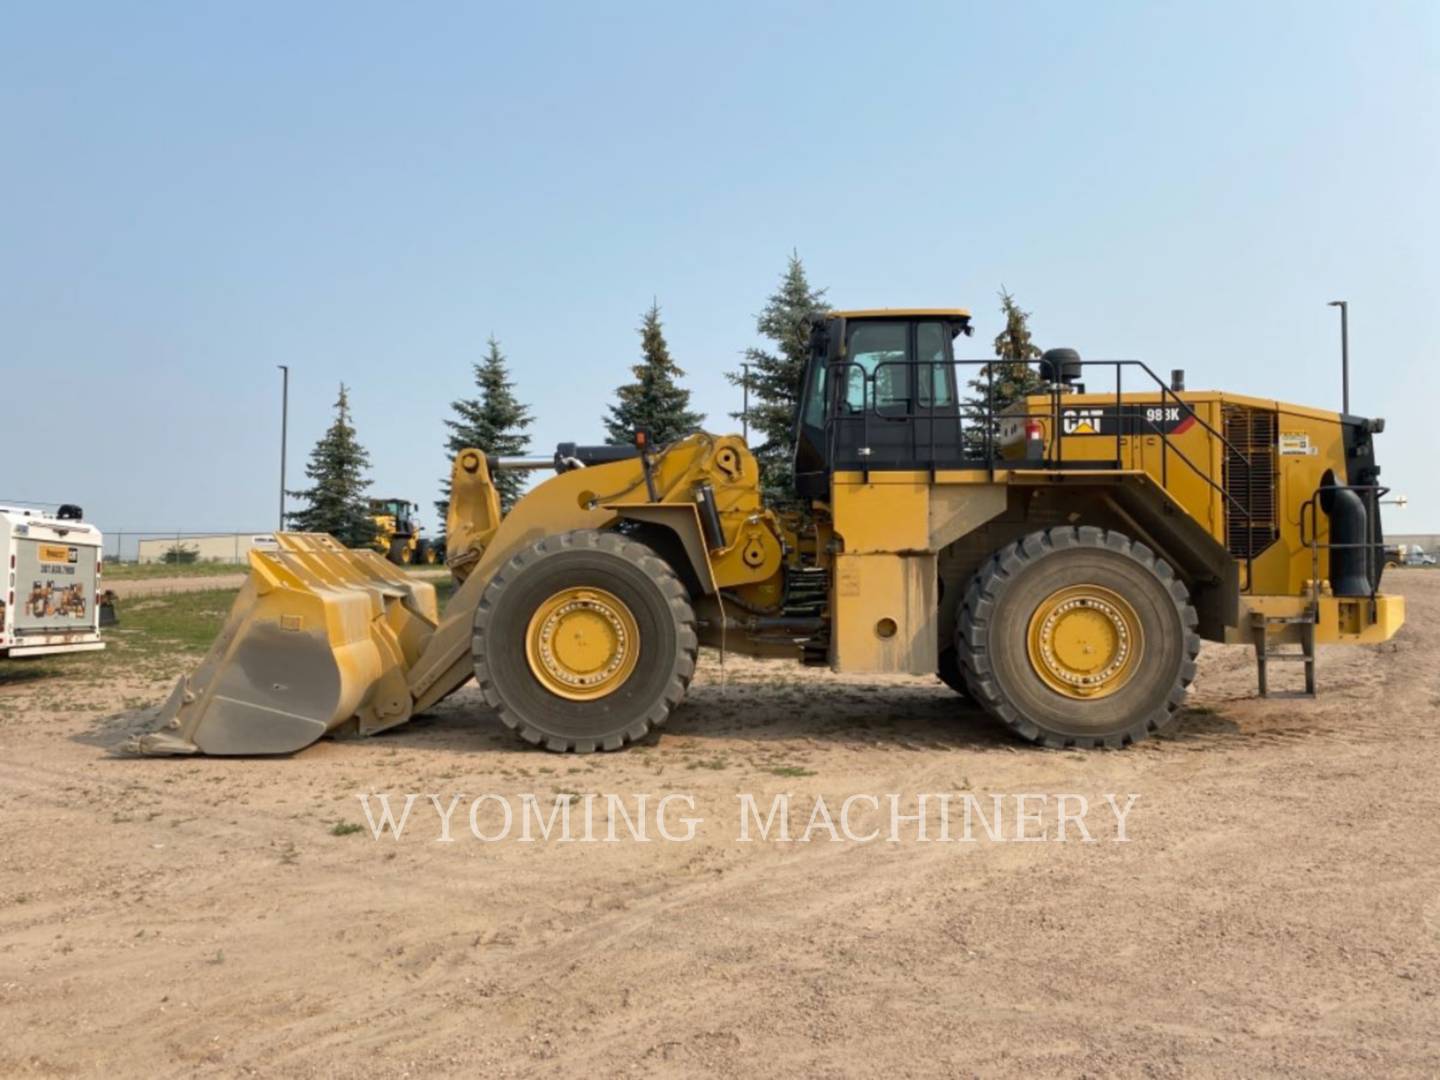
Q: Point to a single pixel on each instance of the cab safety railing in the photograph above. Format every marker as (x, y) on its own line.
(980, 449)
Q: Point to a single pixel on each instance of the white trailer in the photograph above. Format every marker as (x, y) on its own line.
(50, 598)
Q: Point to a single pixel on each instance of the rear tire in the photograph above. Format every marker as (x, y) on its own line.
(623, 598)
(1063, 688)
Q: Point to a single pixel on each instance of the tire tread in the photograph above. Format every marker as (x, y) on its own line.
(671, 588)
(988, 586)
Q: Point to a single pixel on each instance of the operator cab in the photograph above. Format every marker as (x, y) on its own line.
(879, 393)
(399, 509)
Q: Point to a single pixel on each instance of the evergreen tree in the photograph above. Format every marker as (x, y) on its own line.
(654, 402)
(775, 376)
(336, 499)
(494, 422)
(1007, 380)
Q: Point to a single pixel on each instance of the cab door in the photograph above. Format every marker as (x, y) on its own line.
(896, 407)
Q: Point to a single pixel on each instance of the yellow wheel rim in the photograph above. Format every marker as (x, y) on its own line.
(582, 643)
(1085, 641)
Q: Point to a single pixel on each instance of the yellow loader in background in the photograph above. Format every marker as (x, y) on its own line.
(1059, 563)
(398, 534)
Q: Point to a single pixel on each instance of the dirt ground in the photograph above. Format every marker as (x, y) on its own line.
(1275, 910)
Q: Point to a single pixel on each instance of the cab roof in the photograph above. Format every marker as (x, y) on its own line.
(904, 313)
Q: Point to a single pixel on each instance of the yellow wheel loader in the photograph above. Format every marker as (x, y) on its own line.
(397, 534)
(1060, 562)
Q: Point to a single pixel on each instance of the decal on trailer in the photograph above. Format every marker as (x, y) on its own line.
(55, 556)
(54, 586)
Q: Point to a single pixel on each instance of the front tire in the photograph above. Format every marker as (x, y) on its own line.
(584, 641)
(1078, 637)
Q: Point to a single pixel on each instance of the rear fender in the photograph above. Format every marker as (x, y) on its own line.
(1140, 508)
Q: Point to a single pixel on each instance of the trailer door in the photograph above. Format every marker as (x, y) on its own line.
(54, 586)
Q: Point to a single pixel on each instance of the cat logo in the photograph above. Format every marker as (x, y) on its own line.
(1082, 421)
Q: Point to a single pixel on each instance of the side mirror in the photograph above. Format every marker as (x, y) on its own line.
(819, 338)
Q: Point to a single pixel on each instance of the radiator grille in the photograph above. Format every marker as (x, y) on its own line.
(1250, 480)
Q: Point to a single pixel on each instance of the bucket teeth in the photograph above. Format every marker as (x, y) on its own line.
(319, 636)
(160, 743)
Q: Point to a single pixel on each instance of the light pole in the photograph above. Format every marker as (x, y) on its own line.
(1344, 306)
(284, 431)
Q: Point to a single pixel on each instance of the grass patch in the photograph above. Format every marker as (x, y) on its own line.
(345, 828)
(118, 571)
(150, 571)
(791, 771)
(179, 622)
(157, 636)
(16, 672)
(714, 764)
(444, 589)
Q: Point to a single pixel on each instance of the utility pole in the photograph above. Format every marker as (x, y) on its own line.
(284, 431)
(1344, 306)
(745, 402)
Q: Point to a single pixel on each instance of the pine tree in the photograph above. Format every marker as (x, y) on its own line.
(1007, 380)
(654, 402)
(775, 377)
(336, 497)
(494, 422)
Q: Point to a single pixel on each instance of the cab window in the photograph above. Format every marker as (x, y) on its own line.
(815, 399)
(879, 355)
(932, 368)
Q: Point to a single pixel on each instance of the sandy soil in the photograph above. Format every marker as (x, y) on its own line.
(1276, 910)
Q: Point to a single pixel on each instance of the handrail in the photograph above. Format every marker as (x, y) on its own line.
(1166, 393)
(839, 380)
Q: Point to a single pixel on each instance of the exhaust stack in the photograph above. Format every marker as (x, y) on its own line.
(1349, 568)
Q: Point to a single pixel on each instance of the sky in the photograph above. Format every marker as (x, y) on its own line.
(193, 193)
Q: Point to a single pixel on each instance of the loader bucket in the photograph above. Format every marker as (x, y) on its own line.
(320, 639)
